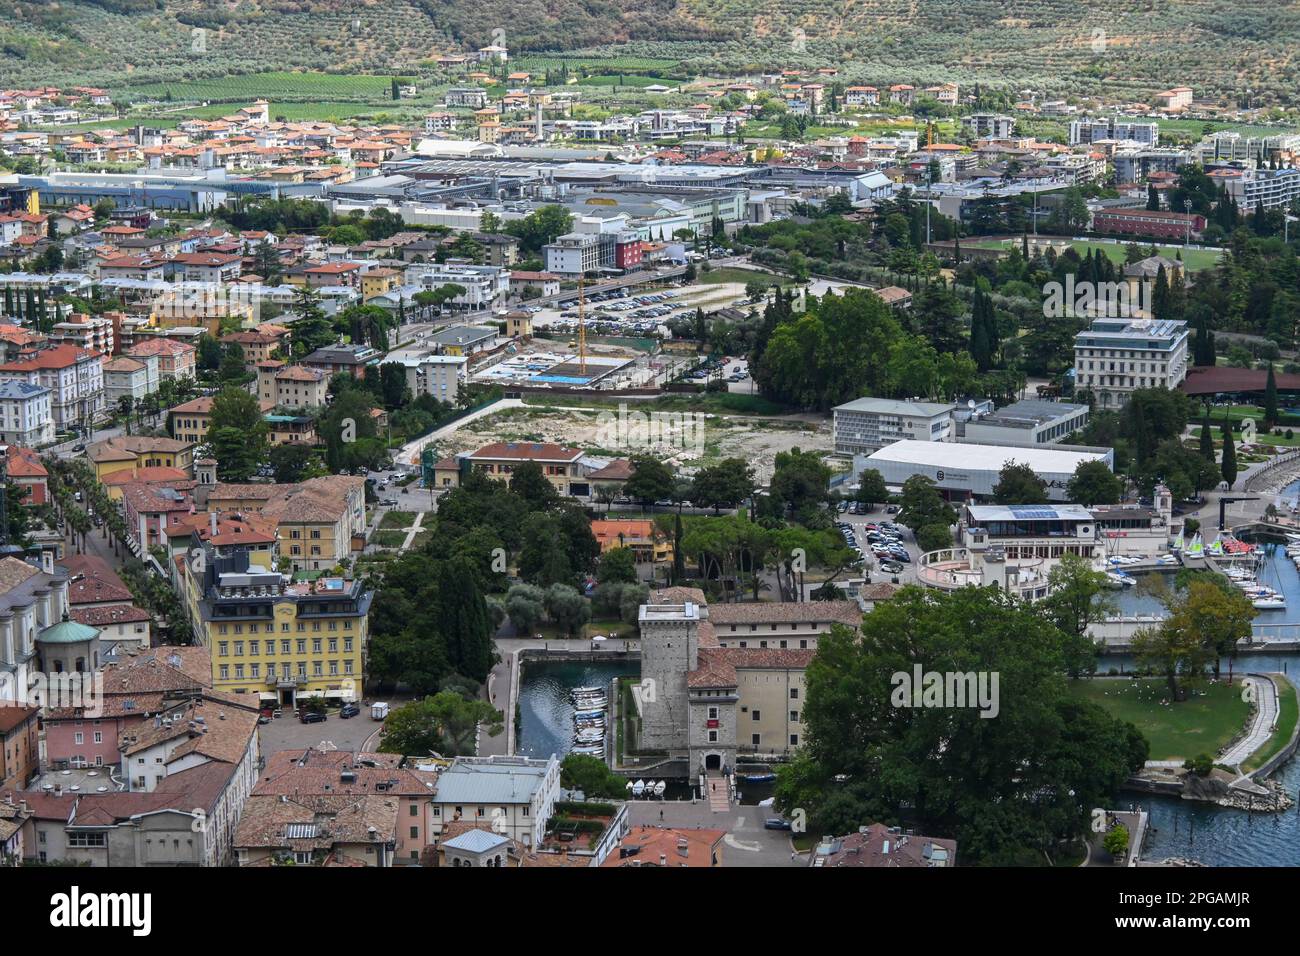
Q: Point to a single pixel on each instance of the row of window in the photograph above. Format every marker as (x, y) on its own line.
(254, 671)
(223, 647)
(269, 628)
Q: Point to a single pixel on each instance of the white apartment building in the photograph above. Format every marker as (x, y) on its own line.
(575, 253)
(1084, 131)
(25, 417)
(136, 377)
(864, 425)
(1115, 357)
(989, 125)
(1271, 188)
(438, 375)
(74, 377)
(485, 286)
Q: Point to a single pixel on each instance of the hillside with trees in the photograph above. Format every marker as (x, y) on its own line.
(1067, 47)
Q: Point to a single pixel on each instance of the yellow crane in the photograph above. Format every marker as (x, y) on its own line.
(582, 327)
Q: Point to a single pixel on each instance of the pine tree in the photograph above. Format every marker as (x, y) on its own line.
(1229, 467)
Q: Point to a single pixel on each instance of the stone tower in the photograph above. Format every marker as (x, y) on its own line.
(669, 651)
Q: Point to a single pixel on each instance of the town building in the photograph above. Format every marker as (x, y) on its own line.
(1115, 357)
(25, 414)
(1027, 422)
(732, 686)
(320, 521)
(130, 453)
(884, 846)
(863, 425)
(516, 795)
(75, 380)
(561, 465)
(272, 641)
(963, 470)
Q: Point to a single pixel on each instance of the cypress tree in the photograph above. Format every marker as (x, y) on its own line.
(1270, 399)
(1229, 467)
(1207, 440)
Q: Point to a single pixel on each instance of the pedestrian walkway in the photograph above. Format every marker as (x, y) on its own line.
(414, 530)
(1261, 728)
(719, 794)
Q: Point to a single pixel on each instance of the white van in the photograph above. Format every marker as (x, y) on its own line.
(378, 711)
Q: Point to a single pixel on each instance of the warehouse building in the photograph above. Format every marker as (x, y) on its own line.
(1030, 422)
(964, 470)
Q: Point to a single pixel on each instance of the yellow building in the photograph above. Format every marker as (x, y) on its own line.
(640, 536)
(282, 643)
(378, 281)
(133, 452)
(320, 520)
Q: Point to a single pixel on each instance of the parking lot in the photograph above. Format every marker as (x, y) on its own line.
(288, 733)
(906, 541)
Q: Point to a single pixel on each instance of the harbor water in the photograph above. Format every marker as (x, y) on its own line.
(545, 724)
(1218, 836)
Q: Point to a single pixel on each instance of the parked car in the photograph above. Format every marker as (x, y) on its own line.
(312, 717)
(890, 566)
(776, 823)
(349, 710)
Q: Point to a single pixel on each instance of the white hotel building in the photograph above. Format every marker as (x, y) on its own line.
(1115, 357)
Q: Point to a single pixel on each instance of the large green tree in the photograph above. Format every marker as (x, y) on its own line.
(237, 433)
(1013, 788)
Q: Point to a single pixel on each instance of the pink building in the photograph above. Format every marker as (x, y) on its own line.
(150, 507)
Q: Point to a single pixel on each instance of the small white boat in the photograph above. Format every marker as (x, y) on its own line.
(1270, 603)
(660, 787)
(638, 788)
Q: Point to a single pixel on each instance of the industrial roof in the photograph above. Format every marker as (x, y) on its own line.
(890, 406)
(968, 456)
(981, 514)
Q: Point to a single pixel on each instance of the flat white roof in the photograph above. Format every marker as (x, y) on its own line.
(891, 406)
(967, 456)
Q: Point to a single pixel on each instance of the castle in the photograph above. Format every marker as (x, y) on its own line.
(729, 679)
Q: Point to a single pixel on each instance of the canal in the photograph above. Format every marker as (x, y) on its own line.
(1218, 836)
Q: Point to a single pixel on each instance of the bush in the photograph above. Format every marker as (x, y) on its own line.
(1200, 765)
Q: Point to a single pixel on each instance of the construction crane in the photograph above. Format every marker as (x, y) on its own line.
(582, 327)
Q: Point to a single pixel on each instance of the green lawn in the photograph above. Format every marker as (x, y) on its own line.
(388, 539)
(1202, 724)
(397, 519)
(268, 85)
(1194, 259)
(1288, 714)
(739, 276)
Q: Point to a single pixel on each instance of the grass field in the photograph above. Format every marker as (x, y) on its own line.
(731, 274)
(320, 86)
(397, 519)
(1194, 259)
(1202, 724)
